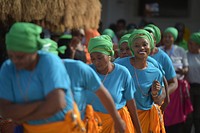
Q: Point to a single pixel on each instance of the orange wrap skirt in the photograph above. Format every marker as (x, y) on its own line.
(108, 123)
(71, 124)
(151, 120)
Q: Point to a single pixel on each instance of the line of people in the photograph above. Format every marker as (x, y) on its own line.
(131, 94)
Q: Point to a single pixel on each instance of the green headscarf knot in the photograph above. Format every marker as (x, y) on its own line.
(24, 37)
(123, 39)
(52, 47)
(156, 33)
(195, 37)
(172, 31)
(109, 32)
(102, 44)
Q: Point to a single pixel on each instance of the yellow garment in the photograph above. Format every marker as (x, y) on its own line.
(151, 120)
(69, 125)
(108, 123)
(92, 121)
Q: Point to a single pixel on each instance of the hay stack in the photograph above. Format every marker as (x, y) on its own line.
(10, 9)
(93, 14)
(56, 15)
(33, 10)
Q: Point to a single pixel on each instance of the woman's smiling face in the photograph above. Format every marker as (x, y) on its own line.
(141, 47)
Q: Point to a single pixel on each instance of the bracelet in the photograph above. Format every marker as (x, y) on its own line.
(154, 95)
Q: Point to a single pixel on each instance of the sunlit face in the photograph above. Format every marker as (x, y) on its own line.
(22, 60)
(124, 50)
(168, 39)
(100, 60)
(193, 47)
(141, 48)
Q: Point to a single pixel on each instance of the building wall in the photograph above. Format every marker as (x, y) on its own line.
(112, 10)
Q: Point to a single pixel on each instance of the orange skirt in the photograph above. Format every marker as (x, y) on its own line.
(92, 121)
(151, 120)
(69, 125)
(108, 123)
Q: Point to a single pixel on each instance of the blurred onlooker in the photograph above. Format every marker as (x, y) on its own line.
(180, 41)
(75, 50)
(121, 28)
(131, 27)
(193, 77)
(65, 40)
(174, 114)
(80, 33)
(111, 34)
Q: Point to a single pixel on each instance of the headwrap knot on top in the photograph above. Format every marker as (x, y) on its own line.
(52, 47)
(109, 32)
(195, 37)
(123, 39)
(173, 31)
(24, 37)
(102, 44)
(155, 30)
(140, 33)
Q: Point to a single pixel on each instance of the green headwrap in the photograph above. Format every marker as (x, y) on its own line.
(24, 37)
(156, 32)
(195, 37)
(102, 44)
(123, 39)
(52, 47)
(140, 33)
(109, 32)
(173, 31)
(66, 36)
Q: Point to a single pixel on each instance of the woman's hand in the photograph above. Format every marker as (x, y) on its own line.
(120, 125)
(155, 88)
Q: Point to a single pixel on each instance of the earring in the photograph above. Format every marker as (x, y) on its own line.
(109, 58)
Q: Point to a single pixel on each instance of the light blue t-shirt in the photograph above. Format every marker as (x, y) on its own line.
(83, 78)
(166, 63)
(23, 86)
(143, 79)
(119, 84)
(150, 59)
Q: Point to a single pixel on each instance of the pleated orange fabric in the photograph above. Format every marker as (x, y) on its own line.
(71, 124)
(108, 123)
(92, 121)
(151, 120)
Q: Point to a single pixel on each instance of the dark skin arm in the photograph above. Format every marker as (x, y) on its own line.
(172, 85)
(154, 91)
(20, 110)
(167, 99)
(53, 103)
(134, 116)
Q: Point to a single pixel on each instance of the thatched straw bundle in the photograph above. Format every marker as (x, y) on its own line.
(33, 9)
(56, 15)
(10, 9)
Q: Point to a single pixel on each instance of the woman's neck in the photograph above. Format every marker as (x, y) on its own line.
(33, 65)
(107, 69)
(154, 51)
(139, 63)
(168, 47)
